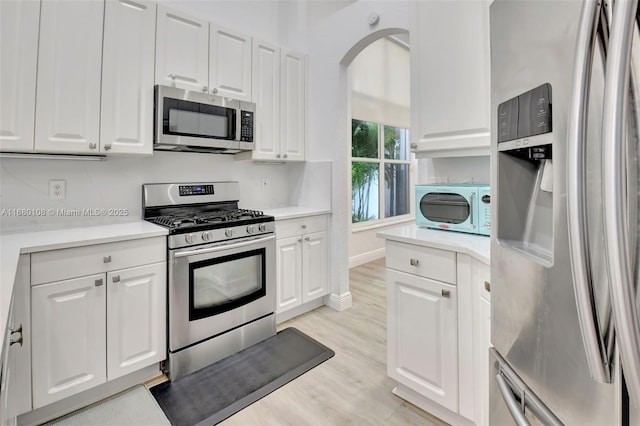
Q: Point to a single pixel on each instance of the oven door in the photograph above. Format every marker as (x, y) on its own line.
(215, 288)
(194, 119)
(446, 209)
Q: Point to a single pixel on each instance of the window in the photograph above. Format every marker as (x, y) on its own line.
(379, 150)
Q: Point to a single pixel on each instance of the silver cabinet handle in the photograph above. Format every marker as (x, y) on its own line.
(617, 232)
(277, 155)
(414, 146)
(300, 240)
(98, 282)
(15, 339)
(115, 278)
(173, 79)
(106, 259)
(107, 147)
(307, 239)
(92, 145)
(487, 286)
(446, 293)
(285, 156)
(592, 336)
(303, 226)
(214, 90)
(414, 262)
(15, 330)
(205, 89)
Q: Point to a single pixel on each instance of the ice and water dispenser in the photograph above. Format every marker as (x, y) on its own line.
(525, 174)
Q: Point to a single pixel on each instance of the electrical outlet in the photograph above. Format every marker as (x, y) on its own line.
(57, 189)
(264, 183)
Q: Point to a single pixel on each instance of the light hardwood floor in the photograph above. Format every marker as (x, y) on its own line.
(352, 388)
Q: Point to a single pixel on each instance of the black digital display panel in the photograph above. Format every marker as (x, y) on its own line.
(195, 190)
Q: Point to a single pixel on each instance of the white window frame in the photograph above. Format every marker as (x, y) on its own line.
(382, 221)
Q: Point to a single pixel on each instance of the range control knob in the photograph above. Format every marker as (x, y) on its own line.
(250, 229)
(229, 233)
(262, 227)
(190, 238)
(206, 236)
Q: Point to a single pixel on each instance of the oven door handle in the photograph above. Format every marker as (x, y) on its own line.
(223, 247)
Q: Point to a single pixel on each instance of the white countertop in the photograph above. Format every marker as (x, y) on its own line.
(13, 245)
(477, 246)
(294, 212)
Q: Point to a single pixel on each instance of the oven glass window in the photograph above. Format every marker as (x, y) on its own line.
(221, 284)
(186, 118)
(444, 207)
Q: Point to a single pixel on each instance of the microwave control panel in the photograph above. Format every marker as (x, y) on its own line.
(246, 126)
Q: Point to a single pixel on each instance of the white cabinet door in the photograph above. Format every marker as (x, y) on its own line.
(126, 126)
(182, 50)
(230, 63)
(422, 336)
(136, 318)
(289, 272)
(266, 95)
(68, 337)
(314, 266)
(482, 340)
(69, 67)
(19, 22)
(450, 74)
(293, 120)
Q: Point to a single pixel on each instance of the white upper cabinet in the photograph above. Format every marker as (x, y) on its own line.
(230, 63)
(450, 78)
(293, 119)
(68, 79)
(19, 55)
(266, 95)
(182, 50)
(127, 77)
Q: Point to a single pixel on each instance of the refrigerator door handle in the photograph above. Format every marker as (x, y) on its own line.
(617, 251)
(512, 405)
(592, 338)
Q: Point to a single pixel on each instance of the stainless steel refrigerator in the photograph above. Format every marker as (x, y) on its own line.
(564, 249)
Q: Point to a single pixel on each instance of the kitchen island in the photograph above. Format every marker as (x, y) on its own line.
(438, 321)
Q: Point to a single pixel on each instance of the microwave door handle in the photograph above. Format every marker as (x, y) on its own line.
(617, 252)
(471, 197)
(592, 338)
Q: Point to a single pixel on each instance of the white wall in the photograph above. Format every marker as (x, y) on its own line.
(454, 170)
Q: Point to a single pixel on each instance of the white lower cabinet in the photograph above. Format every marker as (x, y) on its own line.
(422, 336)
(136, 316)
(69, 345)
(98, 327)
(438, 330)
(302, 261)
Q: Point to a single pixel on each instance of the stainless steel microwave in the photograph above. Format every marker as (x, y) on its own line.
(454, 207)
(201, 122)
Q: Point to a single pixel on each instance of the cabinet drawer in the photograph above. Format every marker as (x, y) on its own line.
(56, 265)
(423, 261)
(292, 227)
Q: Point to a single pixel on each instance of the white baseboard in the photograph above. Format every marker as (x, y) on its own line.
(340, 302)
(367, 257)
(431, 407)
(299, 310)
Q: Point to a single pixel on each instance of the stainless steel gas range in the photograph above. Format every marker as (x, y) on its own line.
(221, 272)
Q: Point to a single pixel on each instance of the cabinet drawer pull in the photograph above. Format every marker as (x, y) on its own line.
(414, 145)
(277, 155)
(98, 283)
(14, 339)
(303, 226)
(414, 262)
(307, 239)
(106, 259)
(300, 240)
(214, 90)
(487, 286)
(205, 89)
(15, 330)
(116, 278)
(285, 156)
(446, 293)
(107, 147)
(92, 145)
